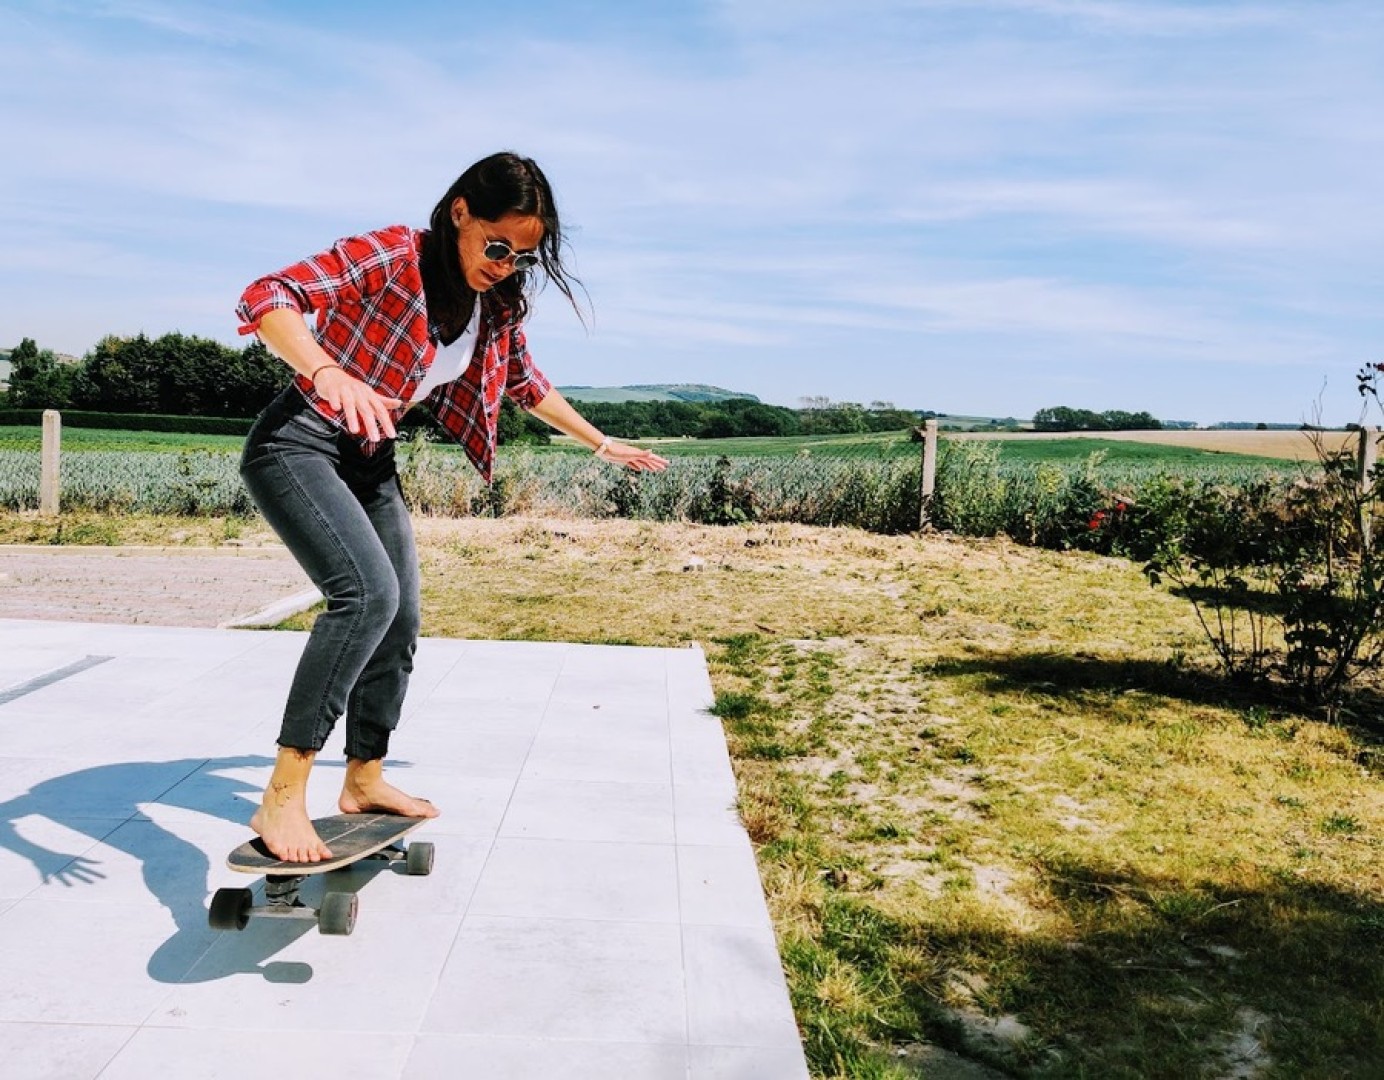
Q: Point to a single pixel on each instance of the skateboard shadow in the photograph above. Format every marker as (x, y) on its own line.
(174, 871)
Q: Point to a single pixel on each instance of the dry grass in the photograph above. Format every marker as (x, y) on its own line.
(622, 581)
(970, 760)
(89, 528)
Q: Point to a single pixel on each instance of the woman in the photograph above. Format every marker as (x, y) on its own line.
(403, 316)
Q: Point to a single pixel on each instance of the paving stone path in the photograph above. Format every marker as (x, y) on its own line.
(157, 586)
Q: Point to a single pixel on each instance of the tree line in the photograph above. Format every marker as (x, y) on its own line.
(172, 375)
(182, 375)
(1062, 418)
(743, 418)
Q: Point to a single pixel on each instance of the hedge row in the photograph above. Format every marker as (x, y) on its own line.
(515, 427)
(77, 418)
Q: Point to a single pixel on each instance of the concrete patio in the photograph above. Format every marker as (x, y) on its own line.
(595, 909)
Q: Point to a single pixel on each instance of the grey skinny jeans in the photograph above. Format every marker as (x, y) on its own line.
(342, 515)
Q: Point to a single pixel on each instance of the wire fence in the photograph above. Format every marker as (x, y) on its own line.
(871, 487)
(892, 482)
(38, 471)
(871, 481)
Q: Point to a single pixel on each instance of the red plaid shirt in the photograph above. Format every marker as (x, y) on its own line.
(372, 319)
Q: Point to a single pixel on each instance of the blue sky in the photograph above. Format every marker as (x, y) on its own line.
(972, 206)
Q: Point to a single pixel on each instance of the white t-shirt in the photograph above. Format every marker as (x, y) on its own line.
(450, 360)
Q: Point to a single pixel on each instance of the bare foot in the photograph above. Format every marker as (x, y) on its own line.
(283, 823)
(367, 792)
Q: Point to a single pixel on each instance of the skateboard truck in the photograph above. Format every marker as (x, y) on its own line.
(232, 909)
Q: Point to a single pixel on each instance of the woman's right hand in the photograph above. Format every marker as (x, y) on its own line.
(363, 408)
(288, 337)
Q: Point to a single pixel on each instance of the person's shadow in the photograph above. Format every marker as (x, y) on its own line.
(174, 871)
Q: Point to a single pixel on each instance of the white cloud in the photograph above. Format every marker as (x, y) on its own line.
(1131, 16)
(217, 27)
(1119, 207)
(826, 20)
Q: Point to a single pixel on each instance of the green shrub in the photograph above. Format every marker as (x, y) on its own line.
(1285, 579)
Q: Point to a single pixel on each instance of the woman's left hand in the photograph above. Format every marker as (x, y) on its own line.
(633, 457)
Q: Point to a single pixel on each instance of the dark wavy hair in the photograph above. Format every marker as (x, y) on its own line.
(500, 184)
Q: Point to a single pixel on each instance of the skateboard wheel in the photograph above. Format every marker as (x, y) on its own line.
(420, 859)
(230, 909)
(337, 915)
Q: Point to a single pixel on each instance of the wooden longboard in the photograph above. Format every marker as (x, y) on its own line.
(350, 836)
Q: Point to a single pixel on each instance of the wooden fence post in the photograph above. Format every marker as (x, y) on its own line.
(929, 483)
(1369, 455)
(49, 467)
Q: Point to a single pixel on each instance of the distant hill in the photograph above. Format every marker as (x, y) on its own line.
(656, 392)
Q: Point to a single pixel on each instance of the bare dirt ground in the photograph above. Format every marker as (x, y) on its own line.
(1290, 445)
(162, 586)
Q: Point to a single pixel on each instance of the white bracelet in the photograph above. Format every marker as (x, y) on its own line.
(605, 445)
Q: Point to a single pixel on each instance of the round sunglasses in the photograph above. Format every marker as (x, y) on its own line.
(498, 251)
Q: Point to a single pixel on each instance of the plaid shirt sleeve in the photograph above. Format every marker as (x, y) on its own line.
(351, 269)
(524, 383)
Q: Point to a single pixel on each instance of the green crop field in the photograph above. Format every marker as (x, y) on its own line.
(91, 439)
(1119, 452)
(896, 443)
(888, 444)
(882, 443)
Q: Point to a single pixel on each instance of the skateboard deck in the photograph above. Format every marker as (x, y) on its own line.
(352, 838)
